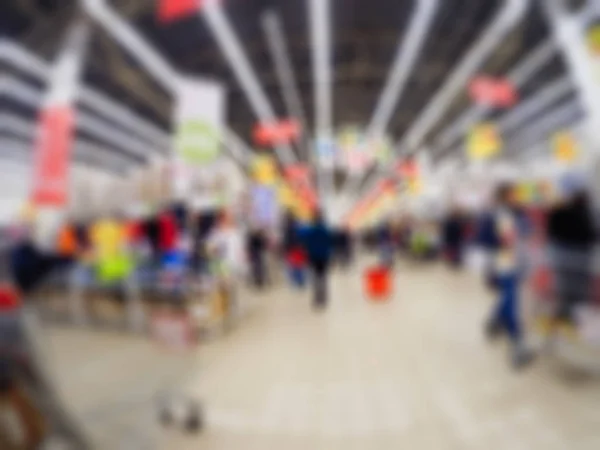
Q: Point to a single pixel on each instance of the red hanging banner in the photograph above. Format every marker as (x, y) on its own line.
(172, 10)
(299, 179)
(52, 157)
(493, 92)
(407, 168)
(282, 132)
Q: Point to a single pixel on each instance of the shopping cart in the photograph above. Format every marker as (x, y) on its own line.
(564, 292)
(125, 405)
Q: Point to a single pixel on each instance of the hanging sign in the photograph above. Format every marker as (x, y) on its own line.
(264, 170)
(172, 10)
(200, 117)
(264, 205)
(298, 177)
(407, 169)
(593, 39)
(483, 141)
(415, 186)
(357, 154)
(384, 149)
(53, 150)
(565, 147)
(277, 133)
(285, 195)
(326, 151)
(56, 122)
(357, 162)
(292, 201)
(495, 92)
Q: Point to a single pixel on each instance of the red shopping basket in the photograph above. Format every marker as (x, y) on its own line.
(378, 283)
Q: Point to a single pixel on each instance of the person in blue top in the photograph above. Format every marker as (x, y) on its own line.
(317, 239)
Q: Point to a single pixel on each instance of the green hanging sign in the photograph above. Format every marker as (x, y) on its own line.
(198, 142)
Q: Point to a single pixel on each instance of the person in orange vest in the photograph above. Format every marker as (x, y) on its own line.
(67, 242)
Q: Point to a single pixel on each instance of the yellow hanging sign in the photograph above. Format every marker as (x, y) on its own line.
(565, 147)
(483, 141)
(593, 40)
(415, 186)
(285, 195)
(264, 170)
(293, 202)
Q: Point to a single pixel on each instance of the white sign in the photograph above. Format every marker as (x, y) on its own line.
(200, 118)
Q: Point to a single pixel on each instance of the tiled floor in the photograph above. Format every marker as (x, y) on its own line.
(412, 373)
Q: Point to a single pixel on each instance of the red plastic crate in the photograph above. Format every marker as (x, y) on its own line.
(378, 283)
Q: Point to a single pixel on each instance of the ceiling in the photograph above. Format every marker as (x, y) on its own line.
(365, 37)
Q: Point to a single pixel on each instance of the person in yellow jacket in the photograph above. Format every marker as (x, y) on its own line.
(109, 241)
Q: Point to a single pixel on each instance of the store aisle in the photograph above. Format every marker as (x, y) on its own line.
(414, 372)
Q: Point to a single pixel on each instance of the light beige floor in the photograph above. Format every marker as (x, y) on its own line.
(412, 373)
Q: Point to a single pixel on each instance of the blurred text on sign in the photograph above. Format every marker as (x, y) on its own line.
(53, 151)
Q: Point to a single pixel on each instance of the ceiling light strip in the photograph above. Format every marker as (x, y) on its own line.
(20, 91)
(89, 97)
(285, 74)
(229, 43)
(408, 51)
(519, 75)
(511, 13)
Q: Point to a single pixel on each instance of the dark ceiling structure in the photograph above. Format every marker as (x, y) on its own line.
(365, 38)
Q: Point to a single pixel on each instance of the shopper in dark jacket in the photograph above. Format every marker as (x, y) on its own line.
(318, 242)
(453, 236)
(571, 234)
(256, 248)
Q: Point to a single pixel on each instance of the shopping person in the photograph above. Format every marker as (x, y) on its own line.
(225, 246)
(256, 248)
(571, 232)
(293, 251)
(454, 237)
(318, 242)
(507, 272)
